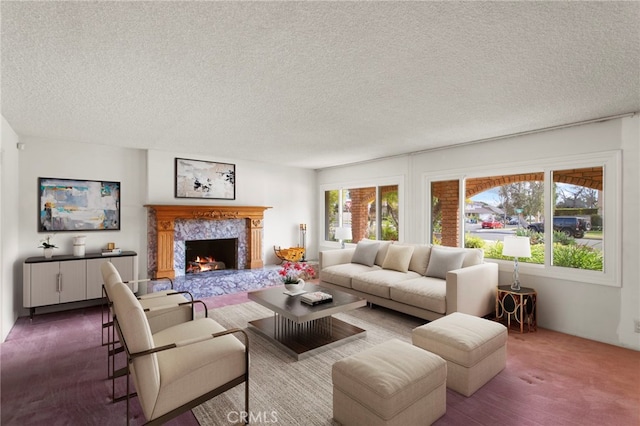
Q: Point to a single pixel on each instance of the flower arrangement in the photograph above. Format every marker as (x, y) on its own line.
(46, 243)
(291, 272)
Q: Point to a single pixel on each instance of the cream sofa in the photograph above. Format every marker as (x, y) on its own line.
(425, 281)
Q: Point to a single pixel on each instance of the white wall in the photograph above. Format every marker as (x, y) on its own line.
(146, 178)
(10, 300)
(42, 158)
(289, 192)
(592, 311)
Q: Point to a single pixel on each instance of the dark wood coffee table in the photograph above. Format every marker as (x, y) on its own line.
(300, 329)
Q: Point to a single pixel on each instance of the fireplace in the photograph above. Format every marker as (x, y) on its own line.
(210, 255)
(164, 246)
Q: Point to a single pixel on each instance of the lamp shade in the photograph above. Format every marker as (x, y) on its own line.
(516, 246)
(343, 233)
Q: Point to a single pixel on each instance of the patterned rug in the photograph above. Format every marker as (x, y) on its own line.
(287, 392)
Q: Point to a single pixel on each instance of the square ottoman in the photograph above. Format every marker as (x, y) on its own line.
(393, 383)
(475, 349)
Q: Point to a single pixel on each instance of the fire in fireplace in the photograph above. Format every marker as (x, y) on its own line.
(210, 255)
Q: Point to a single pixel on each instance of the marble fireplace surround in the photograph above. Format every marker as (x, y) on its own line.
(163, 218)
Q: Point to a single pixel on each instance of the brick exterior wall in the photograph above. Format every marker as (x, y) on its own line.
(360, 199)
(447, 192)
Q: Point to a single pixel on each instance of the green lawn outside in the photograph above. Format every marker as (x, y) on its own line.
(593, 235)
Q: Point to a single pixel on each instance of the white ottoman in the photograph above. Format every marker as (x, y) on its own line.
(475, 349)
(394, 383)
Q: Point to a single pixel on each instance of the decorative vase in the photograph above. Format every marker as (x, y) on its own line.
(294, 288)
(48, 253)
(79, 245)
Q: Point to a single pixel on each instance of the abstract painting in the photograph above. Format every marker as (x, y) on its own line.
(78, 205)
(205, 179)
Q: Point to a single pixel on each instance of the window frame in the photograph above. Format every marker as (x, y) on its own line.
(610, 161)
(377, 183)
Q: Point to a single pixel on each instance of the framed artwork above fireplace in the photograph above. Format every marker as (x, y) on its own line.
(205, 179)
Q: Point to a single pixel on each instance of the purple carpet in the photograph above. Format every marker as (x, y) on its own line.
(53, 372)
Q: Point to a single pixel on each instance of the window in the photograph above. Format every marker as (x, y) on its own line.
(371, 212)
(389, 220)
(577, 218)
(501, 205)
(561, 207)
(514, 205)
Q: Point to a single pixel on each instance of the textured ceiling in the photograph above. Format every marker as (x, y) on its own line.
(313, 84)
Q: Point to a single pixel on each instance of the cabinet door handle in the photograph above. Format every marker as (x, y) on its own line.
(59, 283)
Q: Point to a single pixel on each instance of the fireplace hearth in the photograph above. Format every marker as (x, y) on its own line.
(210, 255)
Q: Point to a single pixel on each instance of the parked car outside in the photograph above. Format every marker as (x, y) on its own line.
(492, 224)
(569, 225)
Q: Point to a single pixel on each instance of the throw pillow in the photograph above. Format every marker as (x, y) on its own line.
(420, 258)
(472, 256)
(398, 258)
(365, 253)
(382, 249)
(443, 261)
(382, 252)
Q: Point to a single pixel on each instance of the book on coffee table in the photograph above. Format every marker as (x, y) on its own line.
(316, 298)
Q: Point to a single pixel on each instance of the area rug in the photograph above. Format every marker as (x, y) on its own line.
(551, 378)
(284, 391)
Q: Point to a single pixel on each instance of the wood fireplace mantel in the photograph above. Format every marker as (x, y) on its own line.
(165, 220)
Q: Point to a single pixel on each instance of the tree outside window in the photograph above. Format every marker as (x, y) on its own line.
(514, 204)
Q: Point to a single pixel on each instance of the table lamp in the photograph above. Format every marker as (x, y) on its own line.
(303, 240)
(343, 233)
(516, 247)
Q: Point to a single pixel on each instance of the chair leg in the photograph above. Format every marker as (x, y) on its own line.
(113, 375)
(122, 372)
(103, 312)
(110, 348)
(246, 375)
(127, 376)
(246, 399)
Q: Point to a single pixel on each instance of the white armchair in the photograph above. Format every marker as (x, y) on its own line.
(163, 310)
(179, 367)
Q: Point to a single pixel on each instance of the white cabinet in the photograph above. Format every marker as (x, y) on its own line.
(63, 279)
(127, 267)
(57, 282)
(94, 278)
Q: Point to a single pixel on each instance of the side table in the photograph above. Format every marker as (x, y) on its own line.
(519, 305)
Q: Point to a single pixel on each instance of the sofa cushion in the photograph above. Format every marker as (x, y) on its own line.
(398, 258)
(442, 261)
(420, 258)
(366, 252)
(424, 293)
(341, 274)
(379, 282)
